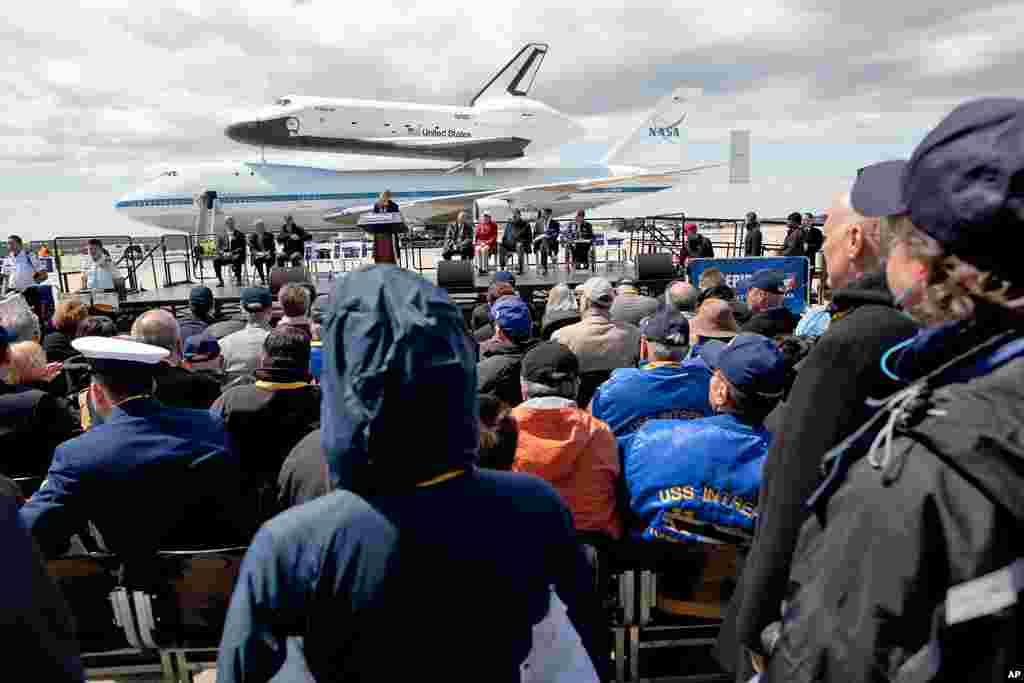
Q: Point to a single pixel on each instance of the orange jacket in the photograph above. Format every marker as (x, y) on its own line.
(577, 454)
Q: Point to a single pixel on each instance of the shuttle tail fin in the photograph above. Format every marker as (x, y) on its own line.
(659, 140)
(516, 77)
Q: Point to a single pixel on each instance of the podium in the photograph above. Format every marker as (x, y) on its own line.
(384, 227)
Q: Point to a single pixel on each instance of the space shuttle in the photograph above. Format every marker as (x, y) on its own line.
(499, 123)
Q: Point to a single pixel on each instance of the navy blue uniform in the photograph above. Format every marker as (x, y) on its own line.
(148, 477)
(378, 588)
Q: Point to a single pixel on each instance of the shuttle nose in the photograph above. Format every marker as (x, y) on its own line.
(276, 131)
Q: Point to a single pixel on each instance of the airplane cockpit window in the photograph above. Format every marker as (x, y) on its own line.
(283, 102)
(171, 174)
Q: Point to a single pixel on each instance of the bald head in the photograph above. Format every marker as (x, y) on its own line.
(714, 318)
(852, 243)
(159, 328)
(682, 296)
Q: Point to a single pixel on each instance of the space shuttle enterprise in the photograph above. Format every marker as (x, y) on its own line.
(499, 123)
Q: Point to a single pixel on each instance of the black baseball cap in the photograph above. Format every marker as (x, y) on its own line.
(666, 326)
(964, 184)
(550, 363)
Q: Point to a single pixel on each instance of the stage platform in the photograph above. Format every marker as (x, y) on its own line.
(529, 283)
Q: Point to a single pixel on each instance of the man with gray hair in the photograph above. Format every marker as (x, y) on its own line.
(599, 342)
(176, 386)
(865, 324)
(22, 325)
(241, 350)
(263, 248)
(665, 386)
(682, 297)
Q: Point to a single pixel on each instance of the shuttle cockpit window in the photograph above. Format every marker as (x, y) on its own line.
(283, 102)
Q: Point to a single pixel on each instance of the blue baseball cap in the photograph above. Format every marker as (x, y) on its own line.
(505, 276)
(201, 297)
(201, 347)
(256, 298)
(750, 362)
(512, 315)
(666, 326)
(768, 280)
(876, 192)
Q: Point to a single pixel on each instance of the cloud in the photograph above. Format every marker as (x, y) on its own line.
(103, 90)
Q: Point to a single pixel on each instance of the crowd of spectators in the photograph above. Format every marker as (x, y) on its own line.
(404, 473)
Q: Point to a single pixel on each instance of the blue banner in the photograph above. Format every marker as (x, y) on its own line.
(738, 271)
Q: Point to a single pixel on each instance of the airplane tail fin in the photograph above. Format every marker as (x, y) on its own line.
(659, 140)
(516, 77)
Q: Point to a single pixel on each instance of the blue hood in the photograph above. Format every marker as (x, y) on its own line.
(399, 383)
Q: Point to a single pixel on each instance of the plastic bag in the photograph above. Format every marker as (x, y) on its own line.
(557, 655)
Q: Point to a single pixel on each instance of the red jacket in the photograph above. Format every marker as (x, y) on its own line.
(486, 234)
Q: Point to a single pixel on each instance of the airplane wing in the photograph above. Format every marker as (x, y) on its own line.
(442, 209)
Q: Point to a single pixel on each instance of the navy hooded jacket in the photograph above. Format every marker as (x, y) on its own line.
(419, 556)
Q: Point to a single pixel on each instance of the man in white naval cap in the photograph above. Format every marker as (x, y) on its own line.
(149, 477)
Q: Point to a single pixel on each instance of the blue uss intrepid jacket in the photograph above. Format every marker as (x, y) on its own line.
(633, 396)
(696, 480)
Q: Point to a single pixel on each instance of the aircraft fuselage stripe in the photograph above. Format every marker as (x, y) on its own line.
(226, 199)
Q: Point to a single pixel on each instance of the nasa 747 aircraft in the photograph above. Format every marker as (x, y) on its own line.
(499, 123)
(648, 159)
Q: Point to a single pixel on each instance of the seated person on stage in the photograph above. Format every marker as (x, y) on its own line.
(698, 480)
(263, 248)
(578, 237)
(415, 544)
(516, 240)
(486, 242)
(292, 239)
(458, 239)
(102, 272)
(564, 445)
(242, 349)
(384, 203)
(294, 301)
(548, 232)
(230, 252)
(267, 419)
(664, 387)
(176, 386)
(766, 296)
(149, 477)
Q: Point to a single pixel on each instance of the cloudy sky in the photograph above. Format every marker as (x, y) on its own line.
(102, 95)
